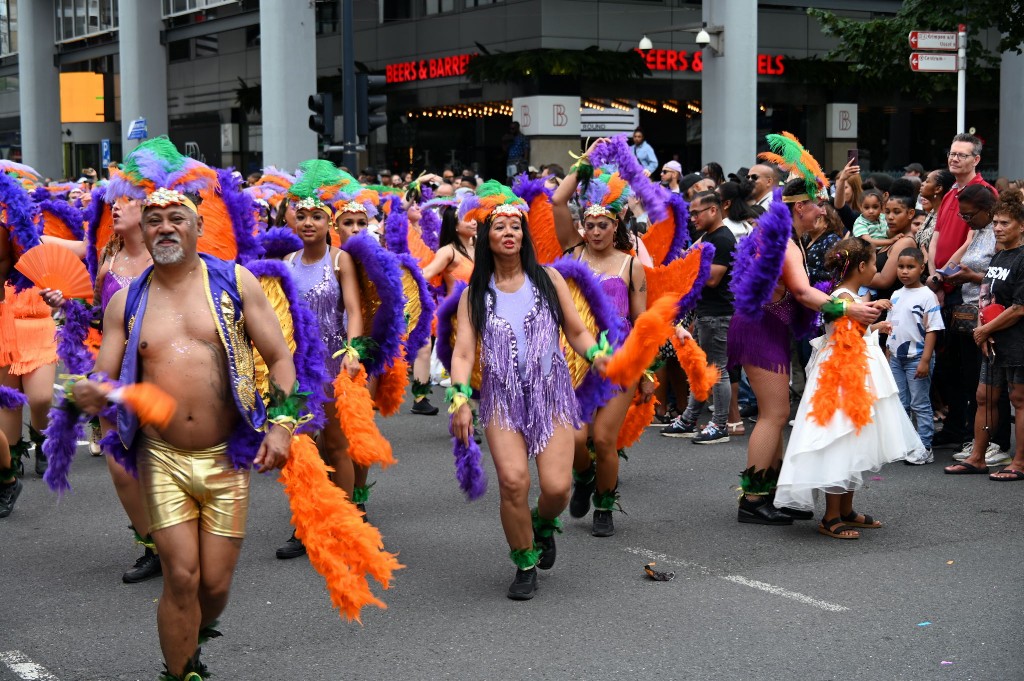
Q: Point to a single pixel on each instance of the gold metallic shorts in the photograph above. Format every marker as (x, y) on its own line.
(179, 485)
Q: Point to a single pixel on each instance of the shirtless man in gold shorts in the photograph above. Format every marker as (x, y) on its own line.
(192, 341)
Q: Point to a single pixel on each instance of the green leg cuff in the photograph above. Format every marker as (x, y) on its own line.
(591, 450)
(759, 482)
(361, 493)
(607, 501)
(586, 477)
(36, 437)
(622, 454)
(146, 541)
(525, 558)
(209, 631)
(420, 390)
(19, 450)
(543, 527)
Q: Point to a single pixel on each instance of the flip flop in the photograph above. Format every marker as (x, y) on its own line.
(965, 469)
(1016, 476)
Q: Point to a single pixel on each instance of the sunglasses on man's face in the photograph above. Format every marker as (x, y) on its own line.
(752, 177)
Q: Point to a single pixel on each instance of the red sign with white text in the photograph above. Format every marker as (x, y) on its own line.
(682, 60)
(428, 69)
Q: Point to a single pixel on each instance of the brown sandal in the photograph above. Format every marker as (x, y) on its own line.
(737, 428)
(836, 529)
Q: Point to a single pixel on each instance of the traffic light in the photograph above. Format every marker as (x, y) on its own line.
(371, 103)
(322, 119)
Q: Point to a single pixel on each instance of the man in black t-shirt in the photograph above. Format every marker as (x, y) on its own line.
(714, 312)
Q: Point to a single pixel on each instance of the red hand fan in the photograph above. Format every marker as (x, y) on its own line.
(990, 312)
(55, 267)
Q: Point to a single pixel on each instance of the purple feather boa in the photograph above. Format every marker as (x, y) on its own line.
(278, 242)
(40, 194)
(681, 239)
(241, 210)
(94, 216)
(396, 230)
(420, 334)
(62, 435)
(446, 311)
(112, 445)
(757, 265)
(388, 324)
(594, 391)
(68, 214)
(616, 153)
(243, 445)
(21, 215)
(689, 300)
(528, 189)
(11, 398)
(469, 470)
(430, 229)
(310, 354)
(71, 339)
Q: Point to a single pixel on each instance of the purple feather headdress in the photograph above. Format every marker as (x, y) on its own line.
(396, 230)
(381, 268)
(430, 228)
(594, 391)
(21, 215)
(241, 211)
(757, 264)
(528, 189)
(681, 239)
(616, 153)
(446, 311)
(278, 242)
(93, 216)
(66, 213)
(690, 298)
(469, 470)
(420, 334)
(157, 163)
(310, 353)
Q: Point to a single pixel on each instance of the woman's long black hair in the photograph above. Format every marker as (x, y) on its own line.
(449, 231)
(483, 269)
(737, 193)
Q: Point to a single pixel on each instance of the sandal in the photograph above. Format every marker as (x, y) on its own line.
(836, 529)
(964, 468)
(869, 522)
(736, 428)
(1015, 476)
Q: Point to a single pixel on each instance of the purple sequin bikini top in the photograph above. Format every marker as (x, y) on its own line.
(615, 288)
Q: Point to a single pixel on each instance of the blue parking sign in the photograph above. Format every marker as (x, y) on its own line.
(105, 152)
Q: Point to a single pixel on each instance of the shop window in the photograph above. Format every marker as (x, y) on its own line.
(396, 10)
(480, 3)
(327, 17)
(438, 6)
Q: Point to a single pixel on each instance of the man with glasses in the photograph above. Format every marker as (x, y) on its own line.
(765, 180)
(950, 229)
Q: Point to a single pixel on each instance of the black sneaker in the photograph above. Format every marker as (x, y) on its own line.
(603, 526)
(41, 461)
(761, 512)
(524, 586)
(292, 548)
(424, 407)
(679, 428)
(711, 435)
(146, 567)
(547, 551)
(579, 503)
(8, 495)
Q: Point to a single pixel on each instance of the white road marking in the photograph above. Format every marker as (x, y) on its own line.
(25, 668)
(736, 579)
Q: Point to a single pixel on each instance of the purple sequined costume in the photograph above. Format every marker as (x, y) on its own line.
(112, 283)
(525, 385)
(765, 342)
(319, 288)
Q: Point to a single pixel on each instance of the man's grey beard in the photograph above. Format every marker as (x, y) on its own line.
(171, 254)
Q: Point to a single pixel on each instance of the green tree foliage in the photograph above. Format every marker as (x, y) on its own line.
(590, 64)
(876, 52)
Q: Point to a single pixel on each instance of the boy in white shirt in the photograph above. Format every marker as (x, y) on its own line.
(916, 321)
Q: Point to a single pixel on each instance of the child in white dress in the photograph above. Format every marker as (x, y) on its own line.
(850, 419)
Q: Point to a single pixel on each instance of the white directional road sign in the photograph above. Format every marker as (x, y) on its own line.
(933, 63)
(933, 40)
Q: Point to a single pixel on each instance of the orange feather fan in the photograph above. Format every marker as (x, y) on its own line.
(694, 361)
(218, 237)
(842, 379)
(150, 404)
(341, 546)
(676, 278)
(651, 330)
(638, 417)
(391, 387)
(104, 232)
(54, 226)
(366, 446)
(542, 230)
(659, 236)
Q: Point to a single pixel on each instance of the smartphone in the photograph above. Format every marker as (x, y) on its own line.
(851, 155)
(950, 269)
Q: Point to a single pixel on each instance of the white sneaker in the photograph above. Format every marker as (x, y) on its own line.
(997, 457)
(920, 459)
(965, 452)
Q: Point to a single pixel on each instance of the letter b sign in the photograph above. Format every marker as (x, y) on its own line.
(558, 117)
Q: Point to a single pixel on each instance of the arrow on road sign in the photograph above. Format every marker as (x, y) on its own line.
(933, 40)
(927, 62)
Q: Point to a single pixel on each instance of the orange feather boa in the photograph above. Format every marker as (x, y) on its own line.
(652, 329)
(542, 230)
(638, 417)
(341, 546)
(658, 239)
(366, 446)
(694, 361)
(391, 386)
(842, 379)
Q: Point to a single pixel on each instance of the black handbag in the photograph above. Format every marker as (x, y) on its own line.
(964, 318)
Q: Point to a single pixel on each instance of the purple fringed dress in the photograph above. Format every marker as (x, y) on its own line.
(319, 288)
(764, 342)
(525, 385)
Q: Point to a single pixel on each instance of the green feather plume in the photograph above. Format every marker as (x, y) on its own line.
(315, 174)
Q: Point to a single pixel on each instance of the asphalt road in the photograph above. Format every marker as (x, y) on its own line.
(933, 595)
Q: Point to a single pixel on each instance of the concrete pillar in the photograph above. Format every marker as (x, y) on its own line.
(1011, 116)
(288, 75)
(729, 86)
(143, 62)
(39, 90)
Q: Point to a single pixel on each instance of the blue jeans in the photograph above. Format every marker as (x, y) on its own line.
(915, 394)
(711, 337)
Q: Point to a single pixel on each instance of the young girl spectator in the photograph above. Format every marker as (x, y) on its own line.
(850, 420)
(916, 321)
(871, 225)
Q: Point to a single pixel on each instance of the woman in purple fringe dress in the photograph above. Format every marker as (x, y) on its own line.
(604, 248)
(762, 347)
(515, 308)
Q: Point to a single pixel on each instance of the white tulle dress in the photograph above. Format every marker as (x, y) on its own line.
(834, 458)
